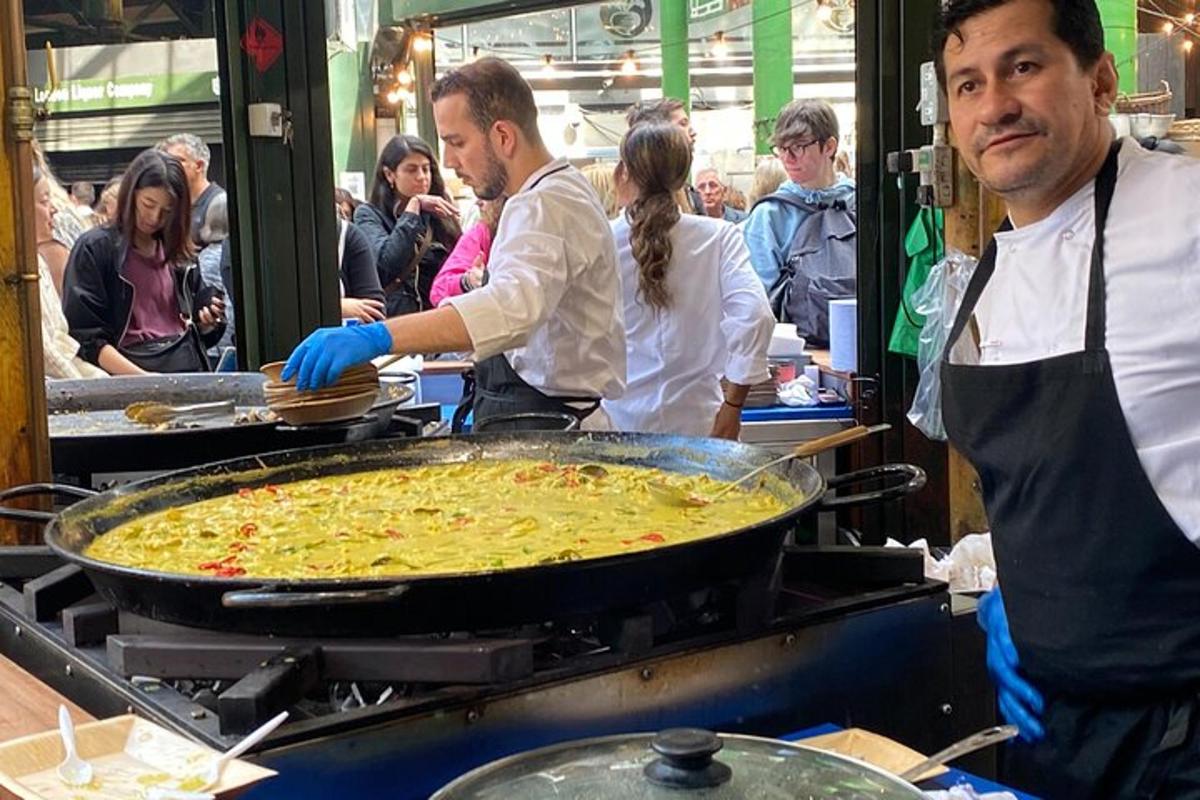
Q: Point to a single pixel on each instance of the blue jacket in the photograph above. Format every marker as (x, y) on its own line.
(771, 225)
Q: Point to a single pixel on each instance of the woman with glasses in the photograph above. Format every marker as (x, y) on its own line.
(806, 143)
(410, 222)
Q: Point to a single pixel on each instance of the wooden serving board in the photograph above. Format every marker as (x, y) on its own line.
(129, 755)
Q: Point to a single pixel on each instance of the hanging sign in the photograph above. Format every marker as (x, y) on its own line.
(262, 43)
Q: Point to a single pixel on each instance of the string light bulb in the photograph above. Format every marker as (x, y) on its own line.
(547, 65)
(720, 47)
(629, 64)
(404, 78)
(1189, 18)
(422, 43)
(1187, 45)
(395, 95)
(824, 12)
(1168, 27)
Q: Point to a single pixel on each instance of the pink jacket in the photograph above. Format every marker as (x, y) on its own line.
(448, 283)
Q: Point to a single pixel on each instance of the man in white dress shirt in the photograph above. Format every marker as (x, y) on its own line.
(546, 331)
(1079, 405)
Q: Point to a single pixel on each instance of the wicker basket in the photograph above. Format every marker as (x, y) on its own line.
(1185, 130)
(1146, 102)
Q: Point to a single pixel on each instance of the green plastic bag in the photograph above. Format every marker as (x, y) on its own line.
(924, 246)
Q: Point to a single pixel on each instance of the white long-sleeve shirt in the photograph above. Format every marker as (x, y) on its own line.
(552, 301)
(1035, 307)
(719, 324)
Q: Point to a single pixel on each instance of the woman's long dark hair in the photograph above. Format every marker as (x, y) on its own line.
(384, 198)
(150, 169)
(657, 158)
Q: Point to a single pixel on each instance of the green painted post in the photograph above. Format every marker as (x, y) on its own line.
(1120, 37)
(772, 28)
(352, 106)
(423, 77)
(676, 80)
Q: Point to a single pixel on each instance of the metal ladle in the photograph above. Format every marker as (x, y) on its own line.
(669, 495)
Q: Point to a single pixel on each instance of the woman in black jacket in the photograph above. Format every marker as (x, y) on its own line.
(410, 221)
(133, 295)
(362, 296)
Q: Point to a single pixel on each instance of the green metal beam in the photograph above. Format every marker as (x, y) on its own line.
(673, 28)
(423, 77)
(772, 28)
(352, 108)
(454, 12)
(1120, 37)
(283, 228)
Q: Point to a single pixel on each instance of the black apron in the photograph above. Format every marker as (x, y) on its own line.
(1101, 586)
(496, 390)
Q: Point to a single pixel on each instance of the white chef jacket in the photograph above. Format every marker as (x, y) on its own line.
(1035, 307)
(551, 304)
(719, 323)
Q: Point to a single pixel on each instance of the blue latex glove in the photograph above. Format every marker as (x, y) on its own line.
(321, 358)
(1020, 703)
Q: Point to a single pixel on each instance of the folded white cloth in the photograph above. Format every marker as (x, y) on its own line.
(970, 566)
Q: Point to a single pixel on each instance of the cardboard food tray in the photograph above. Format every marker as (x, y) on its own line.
(874, 749)
(129, 755)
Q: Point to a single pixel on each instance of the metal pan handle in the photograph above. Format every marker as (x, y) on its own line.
(914, 480)
(38, 517)
(270, 597)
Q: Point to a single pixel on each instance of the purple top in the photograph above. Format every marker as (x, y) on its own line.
(155, 313)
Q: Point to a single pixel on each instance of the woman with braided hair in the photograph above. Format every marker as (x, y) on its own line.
(695, 311)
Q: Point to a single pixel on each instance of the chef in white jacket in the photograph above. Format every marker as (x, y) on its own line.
(545, 332)
(695, 311)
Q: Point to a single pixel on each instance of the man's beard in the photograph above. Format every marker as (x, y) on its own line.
(495, 181)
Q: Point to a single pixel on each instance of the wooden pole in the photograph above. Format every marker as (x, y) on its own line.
(968, 226)
(24, 442)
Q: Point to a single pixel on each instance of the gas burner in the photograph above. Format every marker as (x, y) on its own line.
(741, 656)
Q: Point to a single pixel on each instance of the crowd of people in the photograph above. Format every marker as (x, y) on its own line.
(668, 267)
(631, 295)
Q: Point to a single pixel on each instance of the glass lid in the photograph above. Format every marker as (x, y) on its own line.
(678, 764)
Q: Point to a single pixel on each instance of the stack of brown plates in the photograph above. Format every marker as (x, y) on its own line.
(351, 397)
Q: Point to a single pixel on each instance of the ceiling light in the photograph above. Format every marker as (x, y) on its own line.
(720, 47)
(629, 64)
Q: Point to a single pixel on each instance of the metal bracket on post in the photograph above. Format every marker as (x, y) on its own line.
(20, 113)
(934, 163)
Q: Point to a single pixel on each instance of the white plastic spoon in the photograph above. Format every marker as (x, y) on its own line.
(213, 774)
(73, 771)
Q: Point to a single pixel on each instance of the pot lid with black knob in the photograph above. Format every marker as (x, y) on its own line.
(677, 764)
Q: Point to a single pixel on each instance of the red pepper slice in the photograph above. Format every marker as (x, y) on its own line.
(245, 492)
(394, 534)
(652, 536)
(247, 530)
(229, 572)
(272, 488)
(239, 547)
(218, 564)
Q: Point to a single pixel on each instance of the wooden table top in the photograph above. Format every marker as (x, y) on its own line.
(29, 705)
